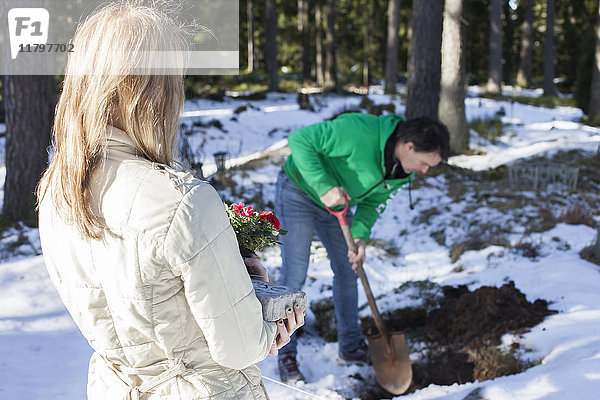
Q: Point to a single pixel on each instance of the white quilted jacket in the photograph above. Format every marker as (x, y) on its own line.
(163, 298)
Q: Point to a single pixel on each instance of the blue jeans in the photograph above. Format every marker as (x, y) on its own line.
(301, 217)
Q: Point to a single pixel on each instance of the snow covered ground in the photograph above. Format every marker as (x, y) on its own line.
(43, 355)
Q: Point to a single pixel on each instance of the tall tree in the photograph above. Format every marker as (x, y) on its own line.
(571, 33)
(594, 107)
(424, 61)
(304, 31)
(250, 21)
(508, 41)
(319, 44)
(391, 48)
(330, 56)
(549, 88)
(452, 95)
(28, 108)
(271, 44)
(495, 52)
(367, 41)
(524, 73)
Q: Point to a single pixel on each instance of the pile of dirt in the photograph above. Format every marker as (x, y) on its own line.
(481, 317)
(462, 335)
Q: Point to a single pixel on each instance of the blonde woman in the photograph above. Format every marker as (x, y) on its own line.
(143, 256)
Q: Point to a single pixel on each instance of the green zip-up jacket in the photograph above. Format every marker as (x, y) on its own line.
(346, 152)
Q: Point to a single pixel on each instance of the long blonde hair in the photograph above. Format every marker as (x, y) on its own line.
(102, 81)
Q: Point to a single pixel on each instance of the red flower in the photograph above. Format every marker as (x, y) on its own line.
(248, 211)
(237, 207)
(269, 216)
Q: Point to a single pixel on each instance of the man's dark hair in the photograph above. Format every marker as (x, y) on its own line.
(426, 134)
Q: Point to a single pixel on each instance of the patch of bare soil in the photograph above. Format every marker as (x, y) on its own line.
(462, 335)
(481, 317)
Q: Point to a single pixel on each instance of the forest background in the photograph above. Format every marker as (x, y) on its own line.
(428, 50)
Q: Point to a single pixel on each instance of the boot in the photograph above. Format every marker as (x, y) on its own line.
(288, 368)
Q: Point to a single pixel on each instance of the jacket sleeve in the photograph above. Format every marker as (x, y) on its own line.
(201, 247)
(367, 212)
(369, 209)
(311, 145)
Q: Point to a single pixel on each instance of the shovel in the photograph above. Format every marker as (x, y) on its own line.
(389, 352)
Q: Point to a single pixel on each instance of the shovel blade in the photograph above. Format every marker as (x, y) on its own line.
(393, 370)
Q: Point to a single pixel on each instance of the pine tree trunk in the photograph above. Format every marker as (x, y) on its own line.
(494, 83)
(330, 58)
(424, 63)
(594, 108)
(507, 51)
(524, 74)
(319, 45)
(571, 35)
(366, 51)
(549, 88)
(391, 49)
(303, 30)
(367, 43)
(452, 95)
(28, 108)
(250, 16)
(271, 44)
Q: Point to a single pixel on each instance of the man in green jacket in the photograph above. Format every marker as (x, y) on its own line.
(366, 159)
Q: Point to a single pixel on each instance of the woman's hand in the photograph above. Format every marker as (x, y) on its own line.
(256, 269)
(295, 317)
(286, 327)
(359, 256)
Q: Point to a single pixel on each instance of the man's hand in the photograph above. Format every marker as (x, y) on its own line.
(285, 327)
(256, 270)
(359, 256)
(334, 197)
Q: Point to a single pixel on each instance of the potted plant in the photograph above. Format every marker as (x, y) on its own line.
(254, 231)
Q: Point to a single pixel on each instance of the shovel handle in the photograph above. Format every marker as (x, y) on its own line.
(341, 216)
(365, 282)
